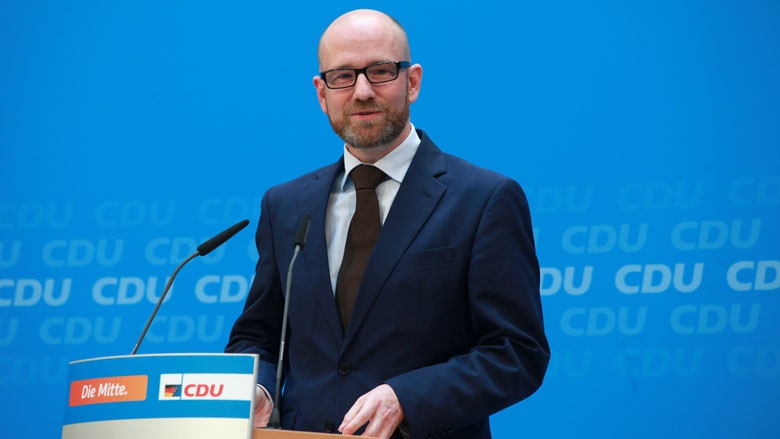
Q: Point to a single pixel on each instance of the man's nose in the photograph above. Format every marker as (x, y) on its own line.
(363, 89)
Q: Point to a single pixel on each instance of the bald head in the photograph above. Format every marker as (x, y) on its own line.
(359, 30)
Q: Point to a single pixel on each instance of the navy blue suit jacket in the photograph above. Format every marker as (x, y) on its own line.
(448, 314)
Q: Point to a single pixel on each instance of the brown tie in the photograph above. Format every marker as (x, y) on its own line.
(363, 231)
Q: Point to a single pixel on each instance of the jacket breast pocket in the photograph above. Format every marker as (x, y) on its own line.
(427, 258)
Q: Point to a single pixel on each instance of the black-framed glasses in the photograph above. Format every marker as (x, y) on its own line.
(375, 74)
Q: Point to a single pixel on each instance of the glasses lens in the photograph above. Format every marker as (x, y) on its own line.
(383, 72)
(340, 78)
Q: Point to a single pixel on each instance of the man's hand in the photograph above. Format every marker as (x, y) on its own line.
(263, 408)
(380, 408)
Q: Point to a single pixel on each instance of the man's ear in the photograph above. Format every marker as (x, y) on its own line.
(415, 80)
(319, 85)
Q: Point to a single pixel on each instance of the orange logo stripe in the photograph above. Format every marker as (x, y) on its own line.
(109, 389)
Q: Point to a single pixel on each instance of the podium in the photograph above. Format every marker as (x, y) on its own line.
(156, 396)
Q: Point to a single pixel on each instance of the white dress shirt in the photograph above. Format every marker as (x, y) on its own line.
(342, 200)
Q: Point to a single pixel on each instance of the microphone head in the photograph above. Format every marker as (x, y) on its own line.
(303, 231)
(208, 246)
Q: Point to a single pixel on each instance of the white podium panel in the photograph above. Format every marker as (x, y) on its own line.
(161, 396)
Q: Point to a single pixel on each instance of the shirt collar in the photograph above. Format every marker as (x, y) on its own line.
(394, 164)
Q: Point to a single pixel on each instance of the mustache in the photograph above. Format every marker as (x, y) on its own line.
(357, 107)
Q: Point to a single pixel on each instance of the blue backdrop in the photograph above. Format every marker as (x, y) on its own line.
(645, 133)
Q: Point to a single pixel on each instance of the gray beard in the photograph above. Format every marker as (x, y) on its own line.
(389, 132)
(379, 136)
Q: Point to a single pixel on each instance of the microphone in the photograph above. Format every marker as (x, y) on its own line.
(202, 250)
(303, 232)
(300, 240)
(220, 239)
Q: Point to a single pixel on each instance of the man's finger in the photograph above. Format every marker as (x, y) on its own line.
(263, 409)
(379, 408)
(357, 415)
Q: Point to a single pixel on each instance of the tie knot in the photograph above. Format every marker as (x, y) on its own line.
(367, 177)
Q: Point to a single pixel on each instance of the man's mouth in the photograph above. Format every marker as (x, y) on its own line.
(366, 114)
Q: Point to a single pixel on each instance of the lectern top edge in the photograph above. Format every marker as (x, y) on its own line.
(193, 354)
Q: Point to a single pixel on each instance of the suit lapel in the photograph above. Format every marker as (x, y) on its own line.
(416, 200)
(314, 200)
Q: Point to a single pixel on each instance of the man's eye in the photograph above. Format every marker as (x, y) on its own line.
(342, 76)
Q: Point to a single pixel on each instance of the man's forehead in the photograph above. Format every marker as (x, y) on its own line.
(358, 56)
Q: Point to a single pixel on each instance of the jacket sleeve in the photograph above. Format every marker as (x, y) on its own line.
(258, 329)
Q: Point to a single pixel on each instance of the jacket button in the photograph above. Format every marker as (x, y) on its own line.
(329, 427)
(344, 368)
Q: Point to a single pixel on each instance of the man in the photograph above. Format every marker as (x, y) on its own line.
(445, 327)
